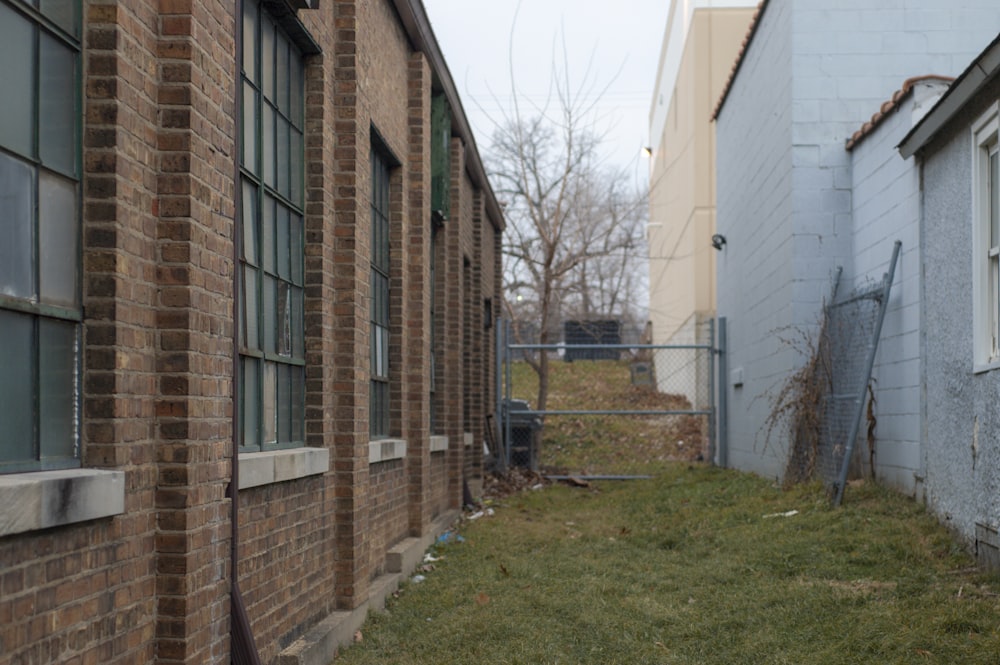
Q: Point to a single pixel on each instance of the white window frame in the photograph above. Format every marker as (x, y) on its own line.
(985, 248)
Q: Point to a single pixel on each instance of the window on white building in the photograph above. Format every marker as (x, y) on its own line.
(986, 239)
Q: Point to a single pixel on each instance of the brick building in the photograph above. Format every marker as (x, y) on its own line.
(247, 245)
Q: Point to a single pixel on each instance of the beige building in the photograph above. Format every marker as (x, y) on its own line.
(700, 45)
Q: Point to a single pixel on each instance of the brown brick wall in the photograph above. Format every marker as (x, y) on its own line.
(418, 294)
(286, 558)
(438, 500)
(84, 593)
(194, 233)
(287, 533)
(152, 585)
(388, 510)
(452, 316)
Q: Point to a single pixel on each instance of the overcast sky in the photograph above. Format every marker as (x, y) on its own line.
(621, 41)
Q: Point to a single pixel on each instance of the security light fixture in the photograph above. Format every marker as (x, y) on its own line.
(718, 240)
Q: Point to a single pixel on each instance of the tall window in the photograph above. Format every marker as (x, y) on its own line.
(40, 309)
(272, 339)
(986, 240)
(991, 213)
(435, 410)
(379, 394)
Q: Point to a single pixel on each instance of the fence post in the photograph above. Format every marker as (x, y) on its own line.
(712, 429)
(722, 393)
(507, 394)
(498, 426)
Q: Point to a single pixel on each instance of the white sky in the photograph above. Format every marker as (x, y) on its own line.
(622, 40)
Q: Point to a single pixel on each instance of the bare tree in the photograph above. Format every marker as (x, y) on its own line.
(574, 226)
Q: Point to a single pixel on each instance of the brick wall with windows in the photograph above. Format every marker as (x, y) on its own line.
(148, 578)
(222, 304)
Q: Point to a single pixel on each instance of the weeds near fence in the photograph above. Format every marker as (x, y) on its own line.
(798, 403)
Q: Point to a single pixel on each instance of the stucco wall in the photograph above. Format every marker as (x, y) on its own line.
(963, 423)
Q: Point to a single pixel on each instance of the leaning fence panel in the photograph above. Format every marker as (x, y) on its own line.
(836, 383)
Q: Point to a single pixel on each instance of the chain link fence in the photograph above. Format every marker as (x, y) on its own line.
(612, 408)
(831, 391)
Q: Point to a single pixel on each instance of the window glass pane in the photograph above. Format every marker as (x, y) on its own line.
(57, 396)
(269, 403)
(379, 409)
(17, 227)
(297, 84)
(58, 105)
(298, 338)
(994, 200)
(249, 40)
(267, 58)
(17, 388)
(295, 242)
(283, 314)
(295, 169)
(267, 234)
(269, 310)
(384, 351)
(298, 404)
(380, 352)
(284, 403)
(249, 213)
(285, 164)
(251, 336)
(16, 81)
(282, 233)
(248, 156)
(64, 13)
(267, 145)
(281, 73)
(250, 401)
(58, 238)
(380, 287)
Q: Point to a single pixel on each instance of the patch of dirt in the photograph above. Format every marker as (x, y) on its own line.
(497, 486)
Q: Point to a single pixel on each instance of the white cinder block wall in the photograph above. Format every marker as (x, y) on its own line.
(886, 208)
(754, 212)
(813, 73)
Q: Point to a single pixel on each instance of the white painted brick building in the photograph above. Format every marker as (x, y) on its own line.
(793, 207)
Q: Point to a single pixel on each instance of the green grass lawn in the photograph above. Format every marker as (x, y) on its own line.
(698, 565)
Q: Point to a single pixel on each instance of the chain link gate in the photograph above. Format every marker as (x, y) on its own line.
(684, 375)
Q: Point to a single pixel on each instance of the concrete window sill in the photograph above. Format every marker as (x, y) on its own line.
(277, 466)
(44, 499)
(384, 450)
(439, 443)
(988, 366)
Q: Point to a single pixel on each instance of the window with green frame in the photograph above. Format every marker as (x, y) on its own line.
(40, 310)
(271, 395)
(379, 395)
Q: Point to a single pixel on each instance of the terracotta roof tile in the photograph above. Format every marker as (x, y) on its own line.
(891, 105)
(754, 22)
